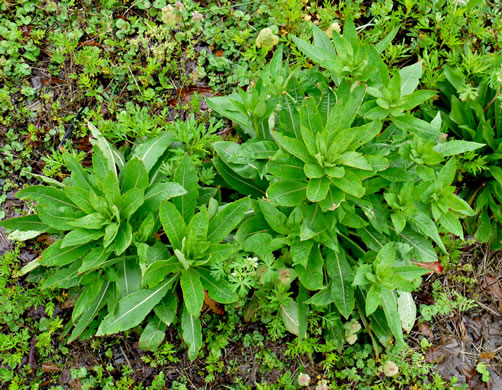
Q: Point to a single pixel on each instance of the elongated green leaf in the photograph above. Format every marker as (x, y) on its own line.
(192, 333)
(321, 298)
(384, 43)
(219, 290)
(311, 276)
(156, 271)
(57, 256)
(237, 182)
(389, 306)
(286, 166)
(133, 309)
(342, 276)
(407, 310)
(129, 276)
(80, 197)
(166, 309)
(350, 184)
(153, 335)
(193, 292)
(452, 148)
(287, 192)
(64, 277)
(94, 259)
(173, 223)
(123, 238)
(46, 196)
(317, 189)
(79, 176)
(80, 236)
(452, 224)
(132, 200)
(289, 314)
(410, 76)
(87, 297)
(416, 126)
(58, 218)
(159, 192)
(227, 220)
(152, 149)
(186, 176)
(134, 176)
(91, 312)
(112, 156)
(25, 224)
(428, 227)
(92, 221)
(274, 217)
(300, 251)
(295, 147)
(423, 250)
(316, 54)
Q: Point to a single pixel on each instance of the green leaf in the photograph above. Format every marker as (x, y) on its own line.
(373, 299)
(452, 224)
(322, 297)
(303, 312)
(392, 315)
(87, 296)
(79, 176)
(410, 77)
(311, 276)
(316, 54)
(111, 189)
(134, 176)
(94, 259)
(300, 251)
(167, 308)
(275, 219)
(317, 189)
(133, 309)
(58, 218)
(132, 200)
(129, 276)
(64, 277)
(428, 227)
(386, 41)
(91, 312)
(407, 310)
(157, 193)
(173, 223)
(153, 335)
(287, 192)
(350, 184)
(289, 314)
(46, 196)
(152, 149)
(186, 176)
(80, 197)
(227, 220)
(220, 291)
(192, 333)
(123, 238)
(286, 166)
(157, 270)
(452, 148)
(236, 181)
(294, 146)
(340, 272)
(80, 236)
(193, 292)
(416, 126)
(112, 156)
(25, 224)
(57, 256)
(497, 173)
(90, 221)
(422, 248)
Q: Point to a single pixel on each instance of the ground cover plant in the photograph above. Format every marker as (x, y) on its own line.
(279, 239)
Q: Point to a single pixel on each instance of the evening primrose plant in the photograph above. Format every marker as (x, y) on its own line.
(354, 184)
